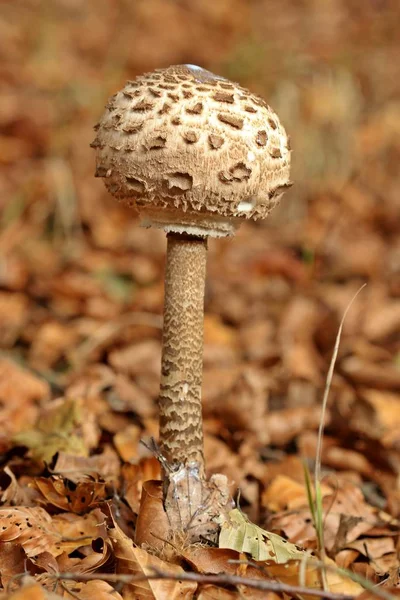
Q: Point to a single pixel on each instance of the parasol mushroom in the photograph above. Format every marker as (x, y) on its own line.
(195, 155)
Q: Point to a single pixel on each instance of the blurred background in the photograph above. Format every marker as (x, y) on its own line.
(81, 285)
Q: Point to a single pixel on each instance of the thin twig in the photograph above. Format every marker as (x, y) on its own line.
(221, 579)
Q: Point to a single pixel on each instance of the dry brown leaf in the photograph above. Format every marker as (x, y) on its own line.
(135, 561)
(14, 312)
(30, 590)
(76, 468)
(32, 528)
(345, 502)
(55, 491)
(95, 557)
(127, 442)
(382, 376)
(337, 583)
(57, 429)
(152, 526)
(18, 385)
(298, 325)
(128, 396)
(246, 404)
(206, 559)
(12, 561)
(220, 341)
(133, 478)
(345, 558)
(141, 357)
(50, 344)
(283, 493)
(377, 414)
(75, 531)
(19, 392)
(380, 553)
(18, 493)
(284, 425)
(91, 590)
(335, 456)
(213, 592)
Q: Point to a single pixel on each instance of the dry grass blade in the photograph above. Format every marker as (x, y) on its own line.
(317, 510)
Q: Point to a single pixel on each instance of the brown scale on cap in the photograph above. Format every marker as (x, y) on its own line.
(186, 120)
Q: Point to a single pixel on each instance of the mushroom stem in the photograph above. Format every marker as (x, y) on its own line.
(181, 431)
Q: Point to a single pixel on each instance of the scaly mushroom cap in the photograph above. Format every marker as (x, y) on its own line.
(192, 152)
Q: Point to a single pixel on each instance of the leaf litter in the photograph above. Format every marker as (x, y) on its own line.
(81, 297)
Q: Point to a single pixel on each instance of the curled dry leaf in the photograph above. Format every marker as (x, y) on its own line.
(152, 526)
(135, 476)
(90, 558)
(76, 531)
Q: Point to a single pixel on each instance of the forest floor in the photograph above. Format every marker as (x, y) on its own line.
(81, 297)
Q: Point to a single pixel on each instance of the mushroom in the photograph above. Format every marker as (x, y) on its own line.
(194, 154)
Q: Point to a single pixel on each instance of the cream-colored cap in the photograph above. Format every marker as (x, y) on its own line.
(192, 152)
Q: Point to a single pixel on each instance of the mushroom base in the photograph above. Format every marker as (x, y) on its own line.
(158, 525)
(196, 224)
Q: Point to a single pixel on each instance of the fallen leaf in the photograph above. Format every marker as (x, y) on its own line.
(12, 561)
(152, 526)
(32, 528)
(127, 442)
(135, 561)
(56, 492)
(134, 477)
(76, 468)
(238, 533)
(283, 493)
(213, 592)
(54, 432)
(91, 590)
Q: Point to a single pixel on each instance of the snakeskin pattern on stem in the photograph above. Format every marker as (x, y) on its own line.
(181, 434)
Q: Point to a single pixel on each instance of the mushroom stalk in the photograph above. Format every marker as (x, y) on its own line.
(181, 431)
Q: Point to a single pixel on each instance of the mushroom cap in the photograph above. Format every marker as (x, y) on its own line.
(192, 152)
